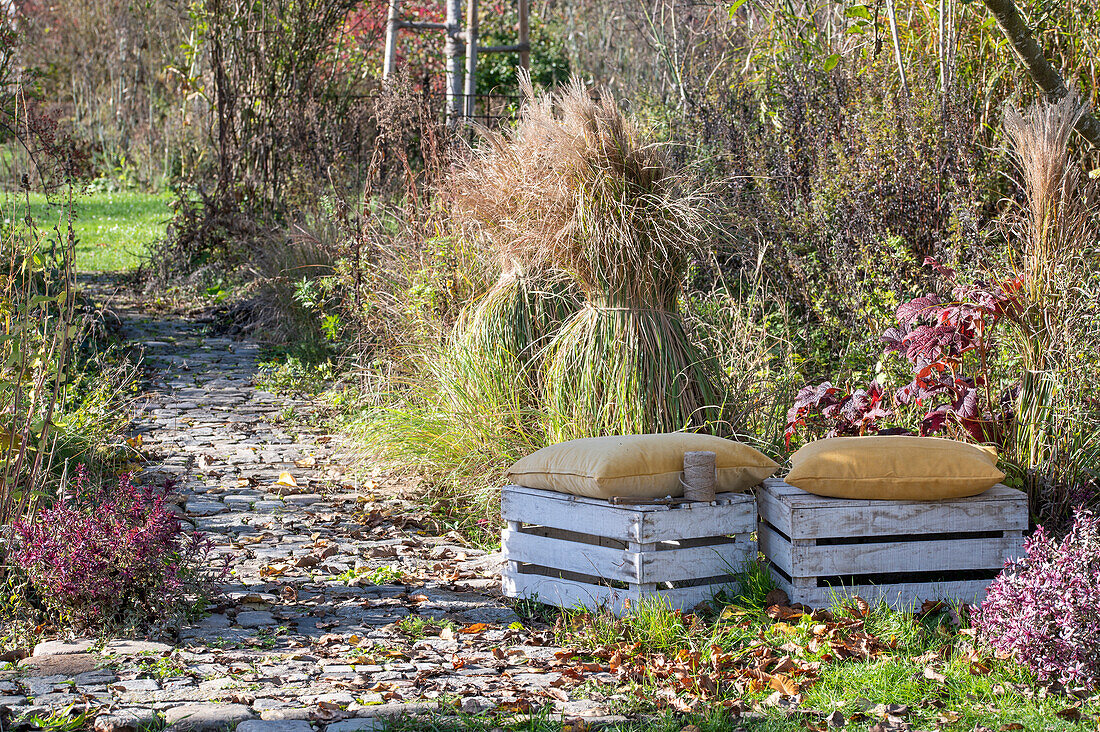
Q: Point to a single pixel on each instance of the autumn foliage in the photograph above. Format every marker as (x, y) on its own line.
(949, 345)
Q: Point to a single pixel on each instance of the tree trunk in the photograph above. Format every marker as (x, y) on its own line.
(1041, 70)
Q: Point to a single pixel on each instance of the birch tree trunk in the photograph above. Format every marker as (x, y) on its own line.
(1041, 70)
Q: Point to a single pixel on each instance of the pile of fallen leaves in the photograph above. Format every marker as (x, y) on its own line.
(778, 659)
(688, 678)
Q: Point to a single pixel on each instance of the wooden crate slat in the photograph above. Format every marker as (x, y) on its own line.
(817, 517)
(674, 565)
(563, 511)
(773, 510)
(907, 556)
(572, 556)
(774, 547)
(900, 595)
(569, 593)
(564, 592)
(685, 598)
(737, 516)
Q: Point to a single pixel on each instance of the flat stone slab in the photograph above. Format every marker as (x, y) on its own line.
(206, 717)
(366, 724)
(125, 720)
(275, 725)
(133, 647)
(205, 508)
(68, 664)
(255, 619)
(62, 648)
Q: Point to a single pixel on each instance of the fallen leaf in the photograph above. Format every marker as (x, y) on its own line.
(287, 480)
(784, 684)
(978, 668)
(1011, 727)
(1072, 714)
(836, 719)
(475, 628)
(308, 462)
(932, 675)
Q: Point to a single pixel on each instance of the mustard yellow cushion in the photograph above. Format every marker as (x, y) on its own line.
(648, 466)
(894, 467)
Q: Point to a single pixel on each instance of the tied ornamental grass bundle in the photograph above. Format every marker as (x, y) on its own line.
(575, 188)
(624, 363)
(510, 324)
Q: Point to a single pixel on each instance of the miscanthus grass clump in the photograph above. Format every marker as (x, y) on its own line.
(576, 188)
(509, 326)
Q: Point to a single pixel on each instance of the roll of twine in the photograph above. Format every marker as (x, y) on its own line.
(700, 475)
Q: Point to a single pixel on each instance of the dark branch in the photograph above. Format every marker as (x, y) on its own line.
(1041, 70)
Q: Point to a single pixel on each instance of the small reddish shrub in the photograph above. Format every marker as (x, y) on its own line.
(948, 344)
(111, 555)
(1044, 609)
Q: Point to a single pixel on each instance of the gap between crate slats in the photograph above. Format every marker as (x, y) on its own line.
(642, 524)
(660, 564)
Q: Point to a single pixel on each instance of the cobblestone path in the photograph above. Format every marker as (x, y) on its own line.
(333, 616)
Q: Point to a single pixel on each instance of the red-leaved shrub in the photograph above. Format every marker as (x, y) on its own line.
(111, 555)
(1044, 608)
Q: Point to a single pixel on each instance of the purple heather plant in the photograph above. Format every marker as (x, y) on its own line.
(111, 554)
(1044, 608)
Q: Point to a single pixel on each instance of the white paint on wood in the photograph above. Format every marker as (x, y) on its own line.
(802, 515)
(689, 522)
(774, 547)
(640, 563)
(907, 556)
(571, 593)
(731, 513)
(562, 511)
(590, 559)
(676, 565)
(805, 562)
(901, 595)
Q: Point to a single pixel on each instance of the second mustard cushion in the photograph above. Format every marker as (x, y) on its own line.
(894, 467)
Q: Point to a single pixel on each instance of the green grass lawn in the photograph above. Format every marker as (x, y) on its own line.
(113, 230)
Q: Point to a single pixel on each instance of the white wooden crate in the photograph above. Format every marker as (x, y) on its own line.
(569, 550)
(899, 551)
